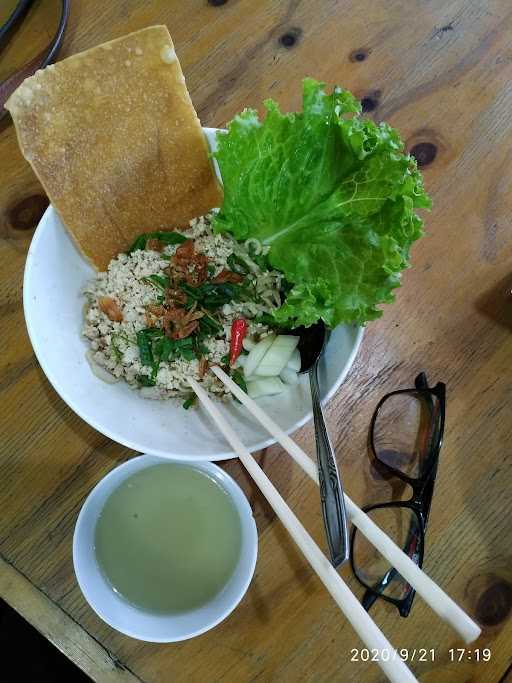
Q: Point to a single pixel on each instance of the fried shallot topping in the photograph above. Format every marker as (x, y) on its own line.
(189, 266)
(110, 308)
(227, 276)
(180, 323)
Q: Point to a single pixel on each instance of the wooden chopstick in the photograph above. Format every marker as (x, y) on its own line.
(433, 595)
(390, 662)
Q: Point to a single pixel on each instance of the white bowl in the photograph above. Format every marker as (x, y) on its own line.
(55, 273)
(139, 623)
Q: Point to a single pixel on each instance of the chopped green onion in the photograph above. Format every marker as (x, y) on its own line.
(153, 331)
(189, 402)
(201, 349)
(145, 352)
(164, 348)
(192, 292)
(145, 381)
(212, 296)
(237, 265)
(261, 260)
(265, 319)
(117, 353)
(187, 342)
(167, 237)
(159, 281)
(238, 378)
(125, 338)
(209, 325)
(154, 371)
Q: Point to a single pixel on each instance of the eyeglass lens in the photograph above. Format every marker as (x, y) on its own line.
(403, 526)
(405, 428)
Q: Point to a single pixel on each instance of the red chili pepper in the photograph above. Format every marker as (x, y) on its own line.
(238, 331)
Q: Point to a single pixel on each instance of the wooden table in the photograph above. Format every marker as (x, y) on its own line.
(440, 71)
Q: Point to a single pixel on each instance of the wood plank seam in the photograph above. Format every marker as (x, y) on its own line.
(42, 595)
(507, 676)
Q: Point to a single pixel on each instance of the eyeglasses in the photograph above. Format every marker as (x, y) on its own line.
(406, 434)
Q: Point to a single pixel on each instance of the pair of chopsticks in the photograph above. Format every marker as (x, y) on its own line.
(390, 662)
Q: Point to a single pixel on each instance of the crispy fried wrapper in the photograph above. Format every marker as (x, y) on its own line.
(114, 139)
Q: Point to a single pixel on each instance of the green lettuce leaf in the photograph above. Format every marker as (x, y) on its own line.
(333, 194)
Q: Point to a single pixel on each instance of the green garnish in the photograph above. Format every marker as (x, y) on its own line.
(160, 281)
(260, 260)
(165, 237)
(238, 378)
(199, 348)
(155, 348)
(332, 193)
(145, 351)
(213, 296)
(187, 342)
(117, 353)
(188, 354)
(264, 319)
(237, 264)
(123, 337)
(164, 349)
(145, 381)
(189, 401)
(209, 325)
(153, 332)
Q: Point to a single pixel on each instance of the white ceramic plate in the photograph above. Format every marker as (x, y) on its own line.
(55, 274)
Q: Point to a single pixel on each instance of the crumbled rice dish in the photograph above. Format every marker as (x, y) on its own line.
(163, 312)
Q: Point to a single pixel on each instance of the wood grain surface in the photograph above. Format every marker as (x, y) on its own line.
(440, 71)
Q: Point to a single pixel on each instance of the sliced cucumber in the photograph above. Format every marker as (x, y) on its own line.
(295, 361)
(289, 376)
(277, 356)
(256, 354)
(265, 386)
(241, 361)
(248, 344)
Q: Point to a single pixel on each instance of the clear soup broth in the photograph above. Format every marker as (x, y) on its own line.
(168, 539)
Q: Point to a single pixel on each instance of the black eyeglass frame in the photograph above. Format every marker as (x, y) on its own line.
(422, 487)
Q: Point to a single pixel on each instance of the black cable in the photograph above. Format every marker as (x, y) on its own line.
(20, 9)
(57, 40)
(44, 58)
